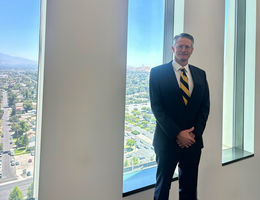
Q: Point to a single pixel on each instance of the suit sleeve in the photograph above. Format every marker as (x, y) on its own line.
(203, 113)
(169, 127)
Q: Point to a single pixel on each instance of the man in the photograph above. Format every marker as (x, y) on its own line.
(180, 103)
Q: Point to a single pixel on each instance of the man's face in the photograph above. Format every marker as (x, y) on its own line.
(182, 50)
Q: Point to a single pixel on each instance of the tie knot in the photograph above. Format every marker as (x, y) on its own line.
(182, 69)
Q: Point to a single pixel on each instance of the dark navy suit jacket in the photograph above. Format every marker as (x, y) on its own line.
(172, 116)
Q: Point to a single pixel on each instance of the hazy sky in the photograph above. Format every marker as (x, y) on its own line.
(19, 28)
(145, 32)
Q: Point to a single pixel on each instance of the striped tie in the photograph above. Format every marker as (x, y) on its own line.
(184, 85)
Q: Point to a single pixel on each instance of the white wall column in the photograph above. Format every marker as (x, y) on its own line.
(83, 100)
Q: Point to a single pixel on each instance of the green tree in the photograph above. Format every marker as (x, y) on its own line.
(13, 113)
(135, 132)
(27, 105)
(25, 140)
(16, 194)
(15, 128)
(30, 192)
(24, 126)
(143, 124)
(14, 119)
(1, 147)
(11, 99)
(134, 161)
(130, 142)
(19, 128)
(27, 94)
(22, 141)
(136, 112)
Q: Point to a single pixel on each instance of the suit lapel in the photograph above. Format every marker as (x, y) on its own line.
(196, 80)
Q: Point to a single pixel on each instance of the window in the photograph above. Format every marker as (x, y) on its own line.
(150, 33)
(239, 80)
(19, 50)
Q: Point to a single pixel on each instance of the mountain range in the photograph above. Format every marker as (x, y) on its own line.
(8, 62)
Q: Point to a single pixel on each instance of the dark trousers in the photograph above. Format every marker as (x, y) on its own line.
(188, 159)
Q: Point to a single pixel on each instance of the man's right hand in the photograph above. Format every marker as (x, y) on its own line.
(186, 138)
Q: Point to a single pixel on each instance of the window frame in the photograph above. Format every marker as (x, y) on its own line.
(243, 42)
(43, 10)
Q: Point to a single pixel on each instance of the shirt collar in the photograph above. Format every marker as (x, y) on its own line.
(176, 66)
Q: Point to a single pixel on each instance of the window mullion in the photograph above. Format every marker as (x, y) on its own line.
(239, 74)
(168, 30)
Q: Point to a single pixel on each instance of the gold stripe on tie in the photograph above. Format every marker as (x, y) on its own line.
(184, 86)
(185, 100)
(184, 89)
(185, 78)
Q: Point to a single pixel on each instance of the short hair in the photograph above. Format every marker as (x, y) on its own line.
(183, 35)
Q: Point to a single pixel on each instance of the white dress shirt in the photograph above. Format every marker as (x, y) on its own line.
(176, 68)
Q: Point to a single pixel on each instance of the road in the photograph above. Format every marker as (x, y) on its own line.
(8, 171)
(23, 185)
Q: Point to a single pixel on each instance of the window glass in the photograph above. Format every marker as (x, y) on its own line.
(144, 51)
(239, 80)
(19, 39)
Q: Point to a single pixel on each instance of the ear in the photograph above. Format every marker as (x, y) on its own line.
(173, 49)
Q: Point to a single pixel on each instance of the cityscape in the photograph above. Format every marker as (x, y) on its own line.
(18, 97)
(139, 122)
(18, 100)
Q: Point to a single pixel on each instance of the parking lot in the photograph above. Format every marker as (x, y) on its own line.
(26, 164)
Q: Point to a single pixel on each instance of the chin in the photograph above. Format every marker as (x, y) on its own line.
(183, 60)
